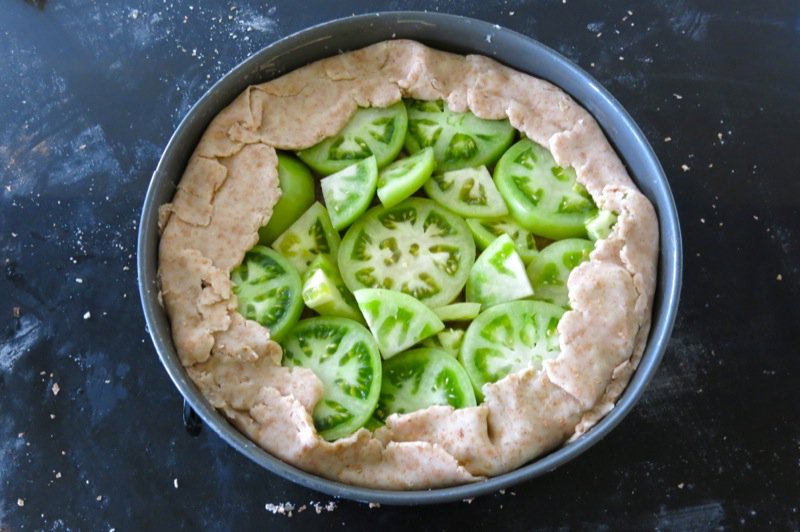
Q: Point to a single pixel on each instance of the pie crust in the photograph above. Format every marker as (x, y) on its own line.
(214, 219)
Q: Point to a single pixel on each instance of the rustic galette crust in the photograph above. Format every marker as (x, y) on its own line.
(228, 191)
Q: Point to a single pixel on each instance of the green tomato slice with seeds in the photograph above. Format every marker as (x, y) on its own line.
(420, 378)
(458, 311)
(397, 320)
(600, 225)
(325, 292)
(549, 271)
(268, 289)
(448, 340)
(459, 140)
(498, 275)
(308, 237)
(348, 192)
(344, 356)
(377, 131)
(403, 177)
(486, 231)
(543, 197)
(416, 247)
(469, 192)
(297, 195)
(510, 337)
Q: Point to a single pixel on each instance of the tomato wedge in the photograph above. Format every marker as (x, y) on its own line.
(348, 192)
(311, 235)
(498, 275)
(459, 140)
(297, 195)
(600, 225)
(458, 311)
(486, 231)
(268, 289)
(421, 378)
(404, 177)
(397, 320)
(542, 196)
(510, 337)
(344, 356)
(448, 340)
(469, 192)
(325, 292)
(415, 247)
(377, 131)
(549, 271)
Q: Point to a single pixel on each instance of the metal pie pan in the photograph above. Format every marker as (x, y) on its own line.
(445, 32)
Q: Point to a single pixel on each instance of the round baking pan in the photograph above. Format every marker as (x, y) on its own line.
(455, 34)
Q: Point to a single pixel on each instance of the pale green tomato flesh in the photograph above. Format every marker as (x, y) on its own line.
(310, 236)
(344, 356)
(486, 231)
(397, 320)
(415, 247)
(498, 275)
(370, 131)
(550, 271)
(469, 192)
(510, 337)
(458, 311)
(348, 193)
(421, 378)
(403, 177)
(325, 292)
(542, 196)
(459, 140)
(268, 289)
(601, 225)
(448, 340)
(297, 195)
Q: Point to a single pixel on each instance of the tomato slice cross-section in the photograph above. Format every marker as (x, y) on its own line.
(377, 131)
(509, 337)
(416, 247)
(420, 378)
(344, 356)
(542, 196)
(268, 289)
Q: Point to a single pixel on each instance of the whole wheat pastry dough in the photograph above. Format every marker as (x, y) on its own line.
(228, 191)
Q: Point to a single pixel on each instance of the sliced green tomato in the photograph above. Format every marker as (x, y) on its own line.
(421, 378)
(310, 236)
(415, 247)
(325, 292)
(600, 225)
(542, 196)
(459, 140)
(268, 289)
(448, 340)
(371, 131)
(403, 177)
(397, 320)
(297, 195)
(469, 192)
(373, 424)
(349, 191)
(549, 271)
(510, 337)
(486, 231)
(344, 356)
(458, 311)
(498, 275)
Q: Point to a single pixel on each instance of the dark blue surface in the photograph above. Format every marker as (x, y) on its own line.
(89, 94)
